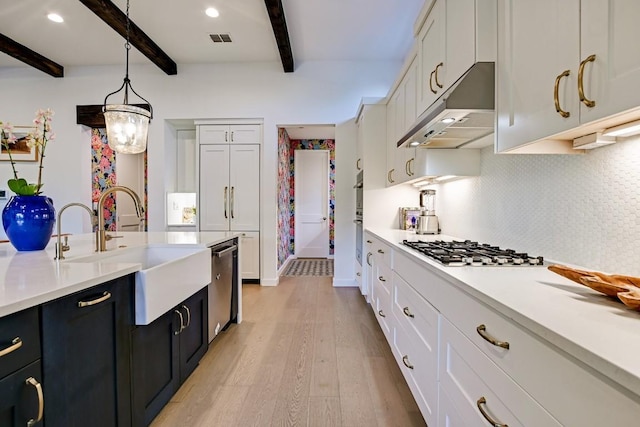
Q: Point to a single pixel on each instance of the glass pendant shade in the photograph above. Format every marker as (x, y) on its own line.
(127, 128)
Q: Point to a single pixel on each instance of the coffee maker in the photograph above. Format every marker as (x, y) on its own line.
(427, 221)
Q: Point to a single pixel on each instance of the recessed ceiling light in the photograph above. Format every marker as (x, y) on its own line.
(448, 120)
(55, 17)
(414, 143)
(212, 12)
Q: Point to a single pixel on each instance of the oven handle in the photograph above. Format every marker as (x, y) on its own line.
(224, 251)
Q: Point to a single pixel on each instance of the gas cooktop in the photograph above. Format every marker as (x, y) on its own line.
(461, 253)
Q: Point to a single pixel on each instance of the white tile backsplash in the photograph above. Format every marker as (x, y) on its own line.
(578, 209)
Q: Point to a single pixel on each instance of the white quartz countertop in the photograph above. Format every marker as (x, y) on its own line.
(33, 278)
(597, 330)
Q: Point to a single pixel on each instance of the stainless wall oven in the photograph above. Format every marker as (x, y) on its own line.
(358, 217)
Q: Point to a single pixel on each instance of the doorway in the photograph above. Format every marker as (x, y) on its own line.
(311, 194)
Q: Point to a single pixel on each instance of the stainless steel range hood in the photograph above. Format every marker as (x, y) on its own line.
(462, 115)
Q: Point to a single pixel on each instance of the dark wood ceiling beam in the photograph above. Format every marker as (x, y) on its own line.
(29, 57)
(279, 25)
(117, 19)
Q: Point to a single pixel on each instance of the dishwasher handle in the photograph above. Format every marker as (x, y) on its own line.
(222, 252)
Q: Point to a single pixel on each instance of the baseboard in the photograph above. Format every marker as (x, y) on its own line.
(285, 264)
(269, 282)
(344, 283)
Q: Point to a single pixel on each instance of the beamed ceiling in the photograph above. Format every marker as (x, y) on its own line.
(170, 32)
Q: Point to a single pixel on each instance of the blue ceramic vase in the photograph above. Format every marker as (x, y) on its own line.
(28, 222)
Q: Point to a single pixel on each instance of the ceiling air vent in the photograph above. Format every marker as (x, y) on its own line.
(220, 38)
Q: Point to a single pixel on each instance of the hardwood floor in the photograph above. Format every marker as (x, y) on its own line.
(306, 354)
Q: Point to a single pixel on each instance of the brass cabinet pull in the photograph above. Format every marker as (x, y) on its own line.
(225, 202)
(407, 312)
(380, 251)
(369, 241)
(382, 279)
(226, 136)
(32, 381)
(406, 167)
(181, 322)
(556, 98)
(369, 259)
(589, 103)
(186, 309)
(482, 330)
(483, 402)
(15, 344)
(233, 201)
(436, 74)
(390, 176)
(105, 296)
(405, 360)
(381, 313)
(231, 136)
(358, 164)
(430, 82)
(411, 173)
(358, 274)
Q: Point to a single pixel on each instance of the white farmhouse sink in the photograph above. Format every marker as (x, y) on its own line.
(168, 276)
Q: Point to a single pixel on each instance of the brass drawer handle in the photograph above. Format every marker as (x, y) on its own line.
(556, 98)
(588, 102)
(483, 402)
(430, 82)
(179, 331)
(380, 251)
(15, 344)
(382, 279)
(226, 189)
(369, 241)
(188, 315)
(407, 312)
(436, 74)
(369, 259)
(358, 164)
(381, 313)
(390, 176)
(32, 381)
(105, 296)
(405, 360)
(482, 330)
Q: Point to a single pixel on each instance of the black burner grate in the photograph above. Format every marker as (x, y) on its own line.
(459, 253)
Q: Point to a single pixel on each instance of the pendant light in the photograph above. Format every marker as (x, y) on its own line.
(127, 125)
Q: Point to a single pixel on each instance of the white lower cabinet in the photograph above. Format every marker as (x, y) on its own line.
(250, 258)
(481, 392)
(468, 365)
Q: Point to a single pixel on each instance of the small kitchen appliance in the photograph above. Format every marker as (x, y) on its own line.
(428, 221)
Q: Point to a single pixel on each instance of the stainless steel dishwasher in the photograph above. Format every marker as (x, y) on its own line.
(223, 290)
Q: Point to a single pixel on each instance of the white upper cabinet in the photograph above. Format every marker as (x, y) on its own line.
(562, 67)
(453, 36)
(229, 134)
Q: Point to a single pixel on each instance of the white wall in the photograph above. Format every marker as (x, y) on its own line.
(578, 209)
(317, 92)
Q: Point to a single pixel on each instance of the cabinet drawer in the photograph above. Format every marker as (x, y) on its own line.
(382, 309)
(476, 385)
(19, 340)
(573, 394)
(415, 314)
(21, 401)
(382, 252)
(384, 277)
(419, 365)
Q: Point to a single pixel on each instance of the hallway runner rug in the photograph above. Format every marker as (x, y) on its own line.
(309, 267)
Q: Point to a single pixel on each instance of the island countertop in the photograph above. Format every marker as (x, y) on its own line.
(33, 278)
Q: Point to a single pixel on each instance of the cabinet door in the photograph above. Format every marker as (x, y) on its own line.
(405, 164)
(155, 361)
(537, 42)
(215, 192)
(213, 134)
(392, 137)
(250, 255)
(409, 87)
(460, 36)
(244, 191)
(86, 346)
(245, 134)
(610, 31)
(431, 53)
(194, 338)
(19, 401)
(19, 340)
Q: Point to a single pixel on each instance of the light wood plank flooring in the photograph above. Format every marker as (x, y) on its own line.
(306, 354)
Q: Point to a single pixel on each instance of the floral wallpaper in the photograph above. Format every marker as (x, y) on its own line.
(103, 176)
(286, 186)
(285, 197)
